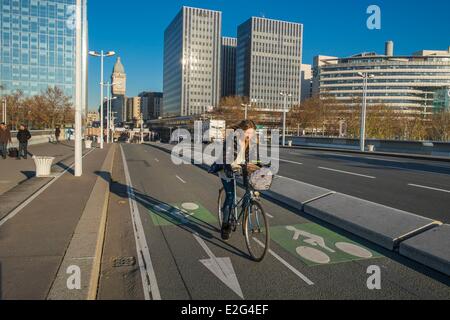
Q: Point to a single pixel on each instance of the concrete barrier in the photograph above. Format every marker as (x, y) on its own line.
(294, 193)
(379, 224)
(431, 248)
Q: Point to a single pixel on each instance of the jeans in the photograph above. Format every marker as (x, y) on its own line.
(3, 149)
(23, 149)
(229, 199)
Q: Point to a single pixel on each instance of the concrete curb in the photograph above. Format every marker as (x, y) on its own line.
(390, 228)
(431, 248)
(86, 247)
(95, 276)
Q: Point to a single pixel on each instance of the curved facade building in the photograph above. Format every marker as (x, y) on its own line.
(404, 83)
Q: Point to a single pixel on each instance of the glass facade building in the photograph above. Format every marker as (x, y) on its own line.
(37, 43)
(269, 61)
(192, 50)
(228, 68)
(406, 84)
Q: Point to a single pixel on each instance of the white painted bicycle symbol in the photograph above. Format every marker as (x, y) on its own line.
(311, 253)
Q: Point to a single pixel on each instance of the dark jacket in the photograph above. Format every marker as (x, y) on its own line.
(23, 136)
(58, 132)
(5, 136)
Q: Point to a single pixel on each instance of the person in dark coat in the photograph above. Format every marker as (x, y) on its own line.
(57, 134)
(23, 136)
(5, 138)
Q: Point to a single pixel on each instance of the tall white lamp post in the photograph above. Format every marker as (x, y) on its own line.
(365, 77)
(285, 110)
(101, 55)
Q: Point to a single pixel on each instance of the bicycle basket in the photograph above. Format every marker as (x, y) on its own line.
(262, 179)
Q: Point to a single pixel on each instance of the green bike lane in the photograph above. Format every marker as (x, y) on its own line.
(308, 259)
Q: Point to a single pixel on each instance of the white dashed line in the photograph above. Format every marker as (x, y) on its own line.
(269, 215)
(286, 264)
(289, 161)
(429, 188)
(346, 172)
(181, 179)
(157, 160)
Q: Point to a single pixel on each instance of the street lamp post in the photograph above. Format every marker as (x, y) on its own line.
(365, 77)
(285, 95)
(246, 106)
(101, 55)
(4, 110)
(108, 109)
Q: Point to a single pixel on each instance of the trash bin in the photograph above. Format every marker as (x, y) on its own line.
(371, 148)
(290, 144)
(43, 166)
(88, 144)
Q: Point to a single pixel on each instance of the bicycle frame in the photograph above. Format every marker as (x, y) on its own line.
(243, 203)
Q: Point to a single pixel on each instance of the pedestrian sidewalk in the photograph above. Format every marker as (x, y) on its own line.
(63, 222)
(13, 172)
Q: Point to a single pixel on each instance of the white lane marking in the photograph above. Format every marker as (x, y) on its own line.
(181, 179)
(222, 268)
(286, 264)
(149, 282)
(37, 194)
(289, 161)
(429, 188)
(269, 215)
(346, 172)
(157, 160)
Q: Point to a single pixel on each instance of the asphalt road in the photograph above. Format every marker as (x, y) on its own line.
(417, 186)
(176, 252)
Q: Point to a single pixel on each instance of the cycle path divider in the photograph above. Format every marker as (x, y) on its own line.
(415, 237)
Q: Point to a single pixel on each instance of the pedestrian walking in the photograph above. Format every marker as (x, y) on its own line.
(57, 133)
(5, 138)
(23, 136)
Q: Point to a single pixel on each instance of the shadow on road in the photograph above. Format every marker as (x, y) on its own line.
(168, 214)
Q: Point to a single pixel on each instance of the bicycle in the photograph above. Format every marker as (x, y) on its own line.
(252, 217)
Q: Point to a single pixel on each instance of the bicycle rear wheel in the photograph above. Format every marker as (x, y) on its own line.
(256, 231)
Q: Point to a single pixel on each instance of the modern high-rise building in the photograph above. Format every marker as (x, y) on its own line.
(228, 67)
(407, 84)
(151, 104)
(37, 46)
(269, 59)
(192, 48)
(306, 82)
(119, 90)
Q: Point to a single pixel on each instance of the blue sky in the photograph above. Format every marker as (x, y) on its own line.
(331, 27)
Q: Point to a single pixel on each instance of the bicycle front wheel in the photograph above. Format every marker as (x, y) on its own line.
(220, 206)
(256, 231)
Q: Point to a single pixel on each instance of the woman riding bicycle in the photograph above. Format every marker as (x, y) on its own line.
(243, 135)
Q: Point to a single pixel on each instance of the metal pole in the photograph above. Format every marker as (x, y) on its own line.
(284, 120)
(108, 112)
(102, 116)
(4, 110)
(246, 111)
(363, 115)
(79, 93)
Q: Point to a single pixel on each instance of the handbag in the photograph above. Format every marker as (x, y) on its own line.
(262, 179)
(13, 152)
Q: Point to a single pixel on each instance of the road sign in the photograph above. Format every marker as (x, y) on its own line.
(316, 245)
(180, 213)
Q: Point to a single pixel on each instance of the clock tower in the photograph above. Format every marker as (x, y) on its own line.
(119, 78)
(118, 91)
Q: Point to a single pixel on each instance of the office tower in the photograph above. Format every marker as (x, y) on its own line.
(151, 104)
(269, 59)
(192, 45)
(228, 67)
(406, 84)
(37, 47)
(306, 82)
